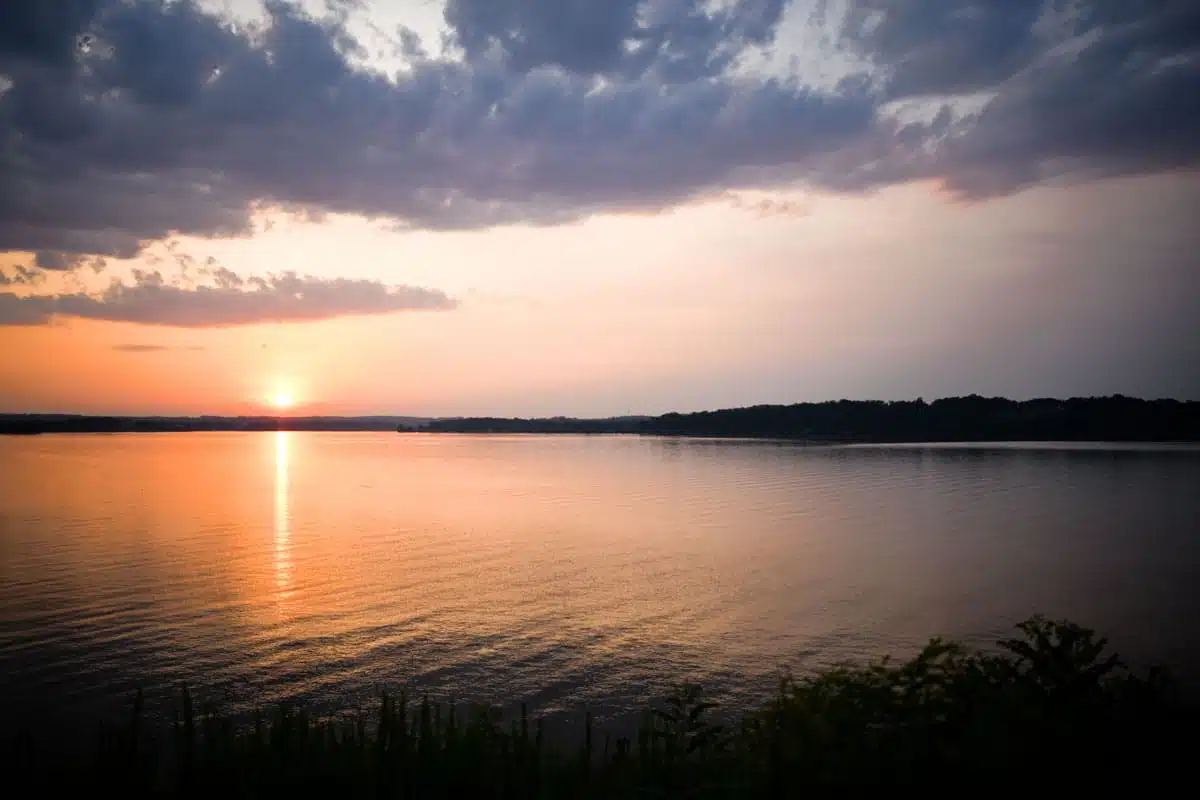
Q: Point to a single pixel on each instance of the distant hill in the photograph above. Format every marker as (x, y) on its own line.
(953, 419)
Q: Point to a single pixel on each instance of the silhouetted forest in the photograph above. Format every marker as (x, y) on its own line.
(953, 419)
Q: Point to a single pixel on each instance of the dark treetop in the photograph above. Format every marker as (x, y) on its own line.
(954, 419)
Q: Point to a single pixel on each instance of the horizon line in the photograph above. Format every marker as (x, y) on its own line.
(302, 416)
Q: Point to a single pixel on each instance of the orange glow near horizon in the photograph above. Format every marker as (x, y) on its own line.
(703, 307)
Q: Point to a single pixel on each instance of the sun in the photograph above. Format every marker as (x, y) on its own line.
(282, 400)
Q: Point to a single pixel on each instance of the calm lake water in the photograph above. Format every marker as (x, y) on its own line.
(570, 572)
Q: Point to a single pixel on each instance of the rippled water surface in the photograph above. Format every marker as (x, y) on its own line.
(566, 571)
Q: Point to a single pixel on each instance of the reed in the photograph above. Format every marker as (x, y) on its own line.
(1050, 708)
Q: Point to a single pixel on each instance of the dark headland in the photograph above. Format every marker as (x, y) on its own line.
(953, 419)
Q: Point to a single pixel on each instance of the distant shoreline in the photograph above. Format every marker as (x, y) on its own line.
(955, 419)
(951, 420)
(33, 424)
(1187, 445)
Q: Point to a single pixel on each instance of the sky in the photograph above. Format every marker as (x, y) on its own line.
(594, 207)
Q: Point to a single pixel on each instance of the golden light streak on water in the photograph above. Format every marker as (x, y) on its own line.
(283, 536)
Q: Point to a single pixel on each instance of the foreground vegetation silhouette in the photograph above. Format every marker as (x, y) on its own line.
(1050, 709)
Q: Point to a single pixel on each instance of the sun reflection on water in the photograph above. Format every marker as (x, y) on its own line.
(283, 537)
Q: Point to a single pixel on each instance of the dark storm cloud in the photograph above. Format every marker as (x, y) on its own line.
(677, 40)
(931, 47)
(1124, 105)
(54, 260)
(289, 297)
(1078, 90)
(166, 120)
(125, 122)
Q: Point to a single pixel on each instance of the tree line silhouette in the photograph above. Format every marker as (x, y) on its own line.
(952, 419)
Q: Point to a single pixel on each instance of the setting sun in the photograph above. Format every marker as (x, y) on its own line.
(282, 400)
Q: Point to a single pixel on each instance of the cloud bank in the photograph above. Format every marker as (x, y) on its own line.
(289, 297)
(127, 121)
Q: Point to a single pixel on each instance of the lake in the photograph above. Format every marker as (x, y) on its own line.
(568, 572)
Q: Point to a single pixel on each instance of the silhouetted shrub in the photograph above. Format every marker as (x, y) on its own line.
(1049, 710)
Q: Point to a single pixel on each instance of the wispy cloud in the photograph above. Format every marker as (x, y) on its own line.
(231, 301)
(770, 206)
(155, 348)
(20, 275)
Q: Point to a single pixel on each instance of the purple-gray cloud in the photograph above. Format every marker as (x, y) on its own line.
(671, 41)
(1082, 90)
(231, 301)
(20, 275)
(54, 260)
(126, 121)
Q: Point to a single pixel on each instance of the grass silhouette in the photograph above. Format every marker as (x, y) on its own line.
(1049, 710)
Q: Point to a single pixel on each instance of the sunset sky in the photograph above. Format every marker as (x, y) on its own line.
(595, 207)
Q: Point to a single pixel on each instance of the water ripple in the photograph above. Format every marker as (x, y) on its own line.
(566, 572)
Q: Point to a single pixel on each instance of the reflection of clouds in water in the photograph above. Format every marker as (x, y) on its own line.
(283, 543)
